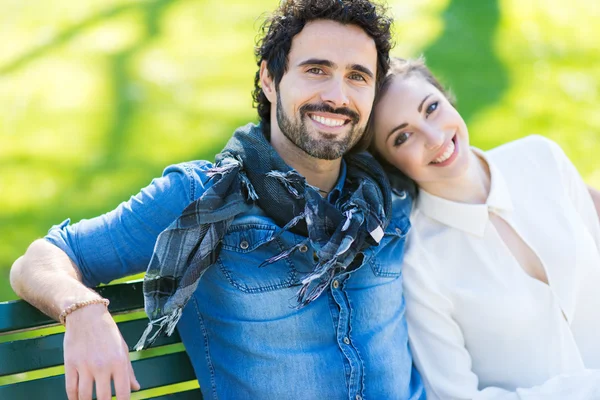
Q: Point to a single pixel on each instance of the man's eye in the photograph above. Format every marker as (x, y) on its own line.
(357, 77)
(316, 71)
(431, 108)
(401, 138)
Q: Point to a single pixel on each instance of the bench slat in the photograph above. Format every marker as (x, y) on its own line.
(151, 373)
(47, 351)
(187, 395)
(19, 315)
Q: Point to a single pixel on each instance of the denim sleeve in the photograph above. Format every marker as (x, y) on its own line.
(121, 242)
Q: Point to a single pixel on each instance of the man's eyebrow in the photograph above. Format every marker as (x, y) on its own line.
(331, 64)
(401, 126)
(363, 69)
(318, 61)
(422, 102)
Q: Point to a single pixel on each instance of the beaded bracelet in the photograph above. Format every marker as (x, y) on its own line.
(63, 315)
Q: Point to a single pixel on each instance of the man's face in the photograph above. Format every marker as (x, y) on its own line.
(324, 99)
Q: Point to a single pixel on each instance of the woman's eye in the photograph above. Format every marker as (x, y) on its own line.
(401, 138)
(431, 108)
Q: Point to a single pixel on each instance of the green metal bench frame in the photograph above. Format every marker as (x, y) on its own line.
(24, 355)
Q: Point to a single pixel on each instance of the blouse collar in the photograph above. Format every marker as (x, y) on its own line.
(471, 218)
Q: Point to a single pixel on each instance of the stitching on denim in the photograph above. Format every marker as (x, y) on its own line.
(289, 282)
(349, 359)
(243, 227)
(360, 358)
(376, 265)
(211, 368)
(334, 311)
(188, 170)
(255, 245)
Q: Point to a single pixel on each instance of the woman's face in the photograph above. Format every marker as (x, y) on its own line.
(419, 132)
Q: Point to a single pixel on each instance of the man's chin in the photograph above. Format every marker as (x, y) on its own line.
(326, 152)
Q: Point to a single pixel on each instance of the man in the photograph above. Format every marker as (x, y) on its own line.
(278, 262)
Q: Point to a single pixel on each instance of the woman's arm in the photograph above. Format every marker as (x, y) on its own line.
(595, 198)
(440, 354)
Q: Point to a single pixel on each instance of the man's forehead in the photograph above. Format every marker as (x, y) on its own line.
(343, 44)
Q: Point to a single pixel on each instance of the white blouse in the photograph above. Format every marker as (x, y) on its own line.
(479, 326)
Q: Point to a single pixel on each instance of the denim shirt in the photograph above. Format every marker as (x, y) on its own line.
(242, 330)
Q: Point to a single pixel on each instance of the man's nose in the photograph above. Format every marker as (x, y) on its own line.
(335, 93)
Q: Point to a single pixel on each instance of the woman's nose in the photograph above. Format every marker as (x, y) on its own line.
(434, 137)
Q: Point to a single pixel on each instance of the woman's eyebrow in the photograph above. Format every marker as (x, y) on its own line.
(422, 102)
(401, 126)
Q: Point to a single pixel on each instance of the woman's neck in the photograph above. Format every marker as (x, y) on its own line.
(472, 187)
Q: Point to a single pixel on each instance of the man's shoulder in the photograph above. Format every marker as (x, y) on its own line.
(194, 174)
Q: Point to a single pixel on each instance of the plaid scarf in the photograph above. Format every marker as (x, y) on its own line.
(249, 171)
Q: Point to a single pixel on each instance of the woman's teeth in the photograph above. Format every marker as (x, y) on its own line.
(328, 121)
(446, 155)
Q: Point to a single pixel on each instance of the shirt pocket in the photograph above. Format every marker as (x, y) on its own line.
(386, 258)
(243, 256)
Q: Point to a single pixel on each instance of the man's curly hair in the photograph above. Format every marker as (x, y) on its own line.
(289, 19)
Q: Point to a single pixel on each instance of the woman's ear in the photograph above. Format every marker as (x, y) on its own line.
(266, 82)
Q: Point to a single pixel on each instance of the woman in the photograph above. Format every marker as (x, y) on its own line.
(502, 268)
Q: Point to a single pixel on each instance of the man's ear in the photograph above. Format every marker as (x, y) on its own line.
(266, 83)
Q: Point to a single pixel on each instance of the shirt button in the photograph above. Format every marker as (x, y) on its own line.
(358, 397)
(244, 245)
(346, 340)
(399, 231)
(402, 195)
(336, 284)
(303, 248)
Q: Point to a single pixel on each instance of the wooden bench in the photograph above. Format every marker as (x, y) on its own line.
(158, 368)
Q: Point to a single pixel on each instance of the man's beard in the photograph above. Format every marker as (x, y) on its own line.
(324, 149)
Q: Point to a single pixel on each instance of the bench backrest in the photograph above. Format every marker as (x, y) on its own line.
(28, 344)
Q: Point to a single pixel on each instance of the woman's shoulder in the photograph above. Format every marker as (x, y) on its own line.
(528, 154)
(532, 145)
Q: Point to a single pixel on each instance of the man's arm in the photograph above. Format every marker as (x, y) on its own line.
(54, 272)
(94, 348)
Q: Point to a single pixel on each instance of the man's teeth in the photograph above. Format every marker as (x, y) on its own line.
(447, 153)
(328, 121)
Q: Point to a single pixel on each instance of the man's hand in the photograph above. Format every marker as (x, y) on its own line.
(96, 352)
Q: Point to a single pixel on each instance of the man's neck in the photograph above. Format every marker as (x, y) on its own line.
(322, 174)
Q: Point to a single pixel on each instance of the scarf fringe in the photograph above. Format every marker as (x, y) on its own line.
(288, 179)
(348, 215)
(284, 254)
(165, 324)
(223, 169)
(306, 295)
(252, 195)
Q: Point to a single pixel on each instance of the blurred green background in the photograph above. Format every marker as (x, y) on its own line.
(97, 97)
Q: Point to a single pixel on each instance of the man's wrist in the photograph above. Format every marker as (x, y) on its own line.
(79, 305)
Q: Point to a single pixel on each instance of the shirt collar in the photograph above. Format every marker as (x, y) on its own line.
(471, 218)
(339, 186)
